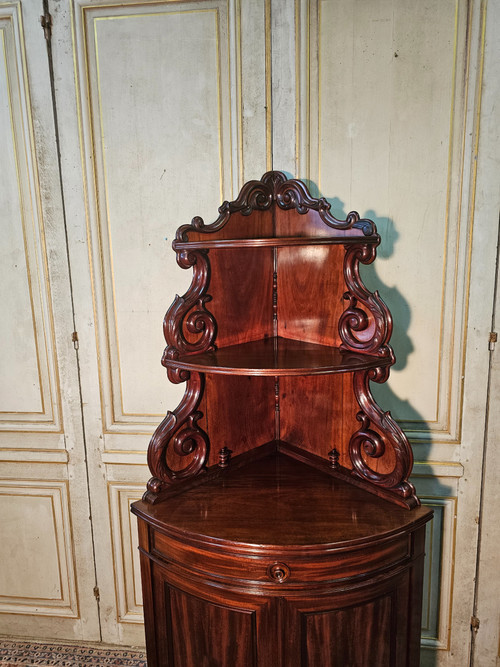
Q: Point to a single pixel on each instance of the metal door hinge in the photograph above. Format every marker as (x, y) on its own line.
(96, 593)
(474, 623)
(492, 339)
(46, 21)
(74, 338)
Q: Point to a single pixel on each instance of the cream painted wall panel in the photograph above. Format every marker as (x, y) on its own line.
(17, 368)
(439, 571)
(37, 575)
(28, 372)
(126, 554)
(486, 642)
(437, 485)
(480, 186)
(18, 579)
(141, 143)
(254, 95)
(283, 54)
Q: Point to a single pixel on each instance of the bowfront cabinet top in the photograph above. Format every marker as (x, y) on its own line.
(277, 340)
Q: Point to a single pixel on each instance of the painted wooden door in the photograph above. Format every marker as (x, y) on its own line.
(47, 566)
(382, 113)
(162, 116)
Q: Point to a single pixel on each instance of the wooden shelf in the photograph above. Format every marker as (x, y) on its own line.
(277, 356)
(273, 242)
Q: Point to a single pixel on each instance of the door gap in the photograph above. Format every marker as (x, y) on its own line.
(47, 21)
(474, 618)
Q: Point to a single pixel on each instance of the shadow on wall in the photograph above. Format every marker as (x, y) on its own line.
(396, 302)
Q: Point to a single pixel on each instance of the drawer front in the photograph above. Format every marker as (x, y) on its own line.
(280, 568)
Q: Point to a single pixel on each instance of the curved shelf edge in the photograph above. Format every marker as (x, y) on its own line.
(277, 356)
(273, 242)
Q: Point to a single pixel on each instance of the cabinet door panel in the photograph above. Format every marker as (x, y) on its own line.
(197, 626)
(363, 627)
(222, 635)
(354, 636)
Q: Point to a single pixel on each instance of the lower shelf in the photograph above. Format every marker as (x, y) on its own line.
(276, 499)
(308, 459)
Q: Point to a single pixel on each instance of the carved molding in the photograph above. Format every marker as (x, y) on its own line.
(377, 434)
(366, 324)
(274, 187)
(179, 430)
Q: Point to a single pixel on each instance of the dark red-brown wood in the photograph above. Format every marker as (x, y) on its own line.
(276, 529)
(263, 293)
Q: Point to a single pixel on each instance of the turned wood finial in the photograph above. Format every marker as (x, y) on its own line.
(334, 455)
(224, 457)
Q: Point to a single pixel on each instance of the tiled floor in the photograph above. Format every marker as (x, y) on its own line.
(46, 654)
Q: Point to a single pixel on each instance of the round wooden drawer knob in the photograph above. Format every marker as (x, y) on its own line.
(279, 572)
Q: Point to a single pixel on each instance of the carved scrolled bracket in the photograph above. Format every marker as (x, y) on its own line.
(180, 431)
(253, 196)
(188, 312)
(377, 434)
(294, 194)
(366, 324)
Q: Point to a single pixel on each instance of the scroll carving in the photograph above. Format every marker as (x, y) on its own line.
(366, 324)
(188, 312)
(294, 194)
(288, 194)
(379, 432)
(180, 430)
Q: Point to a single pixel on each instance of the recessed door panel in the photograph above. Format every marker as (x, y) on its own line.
(223, 636)
(353, 636)
(198, 625)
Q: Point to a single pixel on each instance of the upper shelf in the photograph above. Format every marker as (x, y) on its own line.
(272, 242)
(276, 356)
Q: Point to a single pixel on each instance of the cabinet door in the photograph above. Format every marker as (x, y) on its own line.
(200, 626)
(366, 627)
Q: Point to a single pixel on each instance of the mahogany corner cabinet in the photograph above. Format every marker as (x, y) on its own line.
(279, 528)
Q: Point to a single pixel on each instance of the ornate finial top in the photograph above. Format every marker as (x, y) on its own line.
(274, 179)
